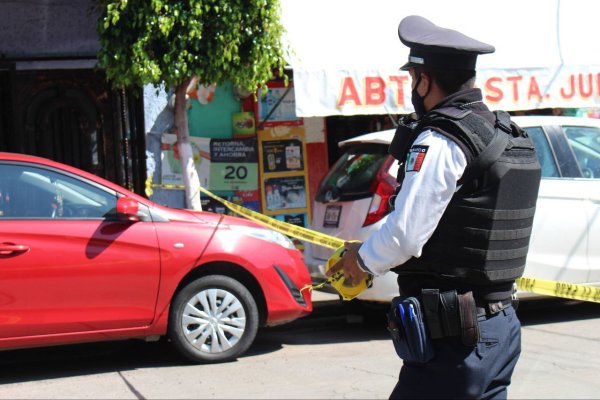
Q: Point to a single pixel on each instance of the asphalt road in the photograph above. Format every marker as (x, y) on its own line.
(327, 355)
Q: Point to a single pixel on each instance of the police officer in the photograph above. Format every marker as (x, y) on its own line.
(460, 228)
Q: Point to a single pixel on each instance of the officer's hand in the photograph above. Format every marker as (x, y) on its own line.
(349, 265)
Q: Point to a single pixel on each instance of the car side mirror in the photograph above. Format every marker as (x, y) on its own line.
(127, 209)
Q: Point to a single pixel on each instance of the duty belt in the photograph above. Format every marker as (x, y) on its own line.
(491, 308)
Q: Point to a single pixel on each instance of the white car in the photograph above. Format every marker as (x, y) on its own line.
(352, 201)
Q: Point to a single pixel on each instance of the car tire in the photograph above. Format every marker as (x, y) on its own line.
(213, 319)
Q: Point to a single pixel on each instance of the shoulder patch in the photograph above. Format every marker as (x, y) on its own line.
(416, 156)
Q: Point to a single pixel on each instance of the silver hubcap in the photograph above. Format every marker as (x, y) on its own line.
(213, 320)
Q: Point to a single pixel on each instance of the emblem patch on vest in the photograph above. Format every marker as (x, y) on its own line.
(416, 155)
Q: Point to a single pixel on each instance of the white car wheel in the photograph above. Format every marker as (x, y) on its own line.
(213, 319)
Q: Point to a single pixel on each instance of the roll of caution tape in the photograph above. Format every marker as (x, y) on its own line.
(533, 285)
(338, 280)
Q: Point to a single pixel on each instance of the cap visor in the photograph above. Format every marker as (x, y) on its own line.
(408, 66)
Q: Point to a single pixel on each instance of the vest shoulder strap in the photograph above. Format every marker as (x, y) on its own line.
(450, 119)
(454, 113)
(494, 149)
(486, 158)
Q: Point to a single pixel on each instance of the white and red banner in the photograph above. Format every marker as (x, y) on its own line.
(346, 54)
(322, 93)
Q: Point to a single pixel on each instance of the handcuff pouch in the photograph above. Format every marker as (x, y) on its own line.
(407, 327)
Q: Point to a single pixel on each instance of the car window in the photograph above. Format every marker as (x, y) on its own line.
(585, 142)
(544, 152)
(354, 172)
(36, 193)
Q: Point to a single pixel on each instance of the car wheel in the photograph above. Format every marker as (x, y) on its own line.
(213, 319)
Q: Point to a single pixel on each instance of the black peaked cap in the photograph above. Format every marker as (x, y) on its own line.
(436, 47)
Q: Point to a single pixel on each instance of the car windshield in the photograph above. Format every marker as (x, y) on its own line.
(353, 174)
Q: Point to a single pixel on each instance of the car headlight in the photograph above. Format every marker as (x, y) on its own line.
(265, 234)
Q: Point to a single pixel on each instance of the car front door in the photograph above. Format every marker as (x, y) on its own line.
(66, 263)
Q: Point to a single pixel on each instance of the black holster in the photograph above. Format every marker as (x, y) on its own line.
(451, 314)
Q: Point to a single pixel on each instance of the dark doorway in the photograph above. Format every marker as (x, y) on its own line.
(61, 124)
(74, 117)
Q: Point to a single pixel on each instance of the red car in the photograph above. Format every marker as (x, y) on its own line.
(83, 259)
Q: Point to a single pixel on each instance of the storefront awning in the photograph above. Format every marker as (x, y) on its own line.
(346, 54)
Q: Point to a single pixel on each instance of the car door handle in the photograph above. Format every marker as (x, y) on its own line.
(7, 249)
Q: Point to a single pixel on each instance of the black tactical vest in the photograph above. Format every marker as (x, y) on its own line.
(483, 236)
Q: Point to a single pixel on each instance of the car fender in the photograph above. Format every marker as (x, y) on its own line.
(262, 260)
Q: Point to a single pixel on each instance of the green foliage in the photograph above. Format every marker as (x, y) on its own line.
(167, 41)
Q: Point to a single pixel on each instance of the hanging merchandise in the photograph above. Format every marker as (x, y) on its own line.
(203, 93)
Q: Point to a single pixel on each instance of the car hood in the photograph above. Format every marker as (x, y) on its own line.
(207, 217)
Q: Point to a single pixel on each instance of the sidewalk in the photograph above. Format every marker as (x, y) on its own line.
(319, 296)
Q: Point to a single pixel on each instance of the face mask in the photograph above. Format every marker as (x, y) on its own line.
(418, 101)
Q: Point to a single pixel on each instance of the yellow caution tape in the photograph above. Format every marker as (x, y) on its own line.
(533, 285)
(167, 186)
(296, 231)
(559, 289)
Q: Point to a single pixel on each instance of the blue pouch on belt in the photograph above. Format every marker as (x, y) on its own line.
(407, 327)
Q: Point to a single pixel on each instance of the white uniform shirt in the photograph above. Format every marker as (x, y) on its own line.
(434, 166)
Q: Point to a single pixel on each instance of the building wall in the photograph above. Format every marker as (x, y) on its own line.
(48, 52)
(61, 35)
(48, 29)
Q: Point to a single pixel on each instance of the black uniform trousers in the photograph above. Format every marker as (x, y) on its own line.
(459, 372)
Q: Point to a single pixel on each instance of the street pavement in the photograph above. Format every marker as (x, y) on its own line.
(324, 356)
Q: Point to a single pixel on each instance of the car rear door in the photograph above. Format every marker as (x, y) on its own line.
(346, 194)
(559, 248)
(585, 144)
(66, 264)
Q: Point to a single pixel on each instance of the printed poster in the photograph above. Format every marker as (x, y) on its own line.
(247, 199)
(282, 155)
(233, 164)
(226, 167)
(284, 183)
(171, 163)
(277, 106)
(287, 192)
